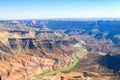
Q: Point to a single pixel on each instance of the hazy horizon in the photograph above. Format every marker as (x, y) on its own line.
(53, 9)
(66, 19)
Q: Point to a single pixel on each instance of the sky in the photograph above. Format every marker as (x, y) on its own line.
(40, 9)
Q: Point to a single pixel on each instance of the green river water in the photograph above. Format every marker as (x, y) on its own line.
(64, 70)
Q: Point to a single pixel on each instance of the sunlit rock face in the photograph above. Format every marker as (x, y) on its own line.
(25, 53)
(28, 47)
(33, 22)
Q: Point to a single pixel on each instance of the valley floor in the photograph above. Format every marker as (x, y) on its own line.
(64, 70)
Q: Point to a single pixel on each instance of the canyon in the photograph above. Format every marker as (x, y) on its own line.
(35, 47)
(25, 53)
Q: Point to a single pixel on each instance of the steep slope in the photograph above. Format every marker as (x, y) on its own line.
(29, 53)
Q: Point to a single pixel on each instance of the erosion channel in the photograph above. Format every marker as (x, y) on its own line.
(63, 70)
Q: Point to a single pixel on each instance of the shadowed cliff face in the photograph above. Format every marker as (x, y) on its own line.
(25, 53)
(23, 44)
(43, 40)
(4, 48)
(111, 62)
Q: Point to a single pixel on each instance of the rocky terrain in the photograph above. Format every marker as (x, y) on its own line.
(25, 53)
(28, 47)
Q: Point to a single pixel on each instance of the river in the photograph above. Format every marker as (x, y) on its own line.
(66, 69)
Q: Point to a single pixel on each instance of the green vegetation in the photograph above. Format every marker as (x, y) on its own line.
(64, 70)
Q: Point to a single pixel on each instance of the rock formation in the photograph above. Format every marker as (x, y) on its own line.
(24, 53)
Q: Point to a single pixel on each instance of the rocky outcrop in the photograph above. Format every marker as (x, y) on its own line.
(12, 25)
(20, 66)
(25, 53)
(30, 57)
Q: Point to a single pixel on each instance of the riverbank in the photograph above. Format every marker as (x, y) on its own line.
(64, 70)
